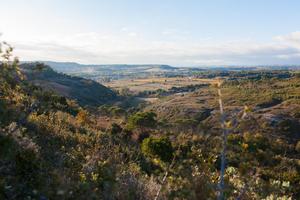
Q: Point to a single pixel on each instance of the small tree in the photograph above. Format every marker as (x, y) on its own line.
(125, 92)
(115, 129)
(117, 111)
(158, 148)
(298, 146)
(142, 120)
(10, 73)
(82, 117)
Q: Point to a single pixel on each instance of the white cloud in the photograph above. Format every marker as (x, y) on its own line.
(132, 34)
(124, 29)
(126, 47)
(292, 39)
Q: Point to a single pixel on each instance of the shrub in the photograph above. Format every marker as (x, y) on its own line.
(115, 129)
(117, 111)
(3, 112)
(142, 120)
(298, 147)
(158, 147)
(7, 146)
(26, 163)
(82, 117)
(187, 123)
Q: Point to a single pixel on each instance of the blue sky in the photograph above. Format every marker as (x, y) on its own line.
(175, 32)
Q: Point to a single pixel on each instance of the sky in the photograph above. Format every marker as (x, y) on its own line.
(174, 32)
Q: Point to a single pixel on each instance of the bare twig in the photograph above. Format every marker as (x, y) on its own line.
(164, 178)
(223, 154)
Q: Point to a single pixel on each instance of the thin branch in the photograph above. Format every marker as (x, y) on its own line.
(164, 178)
(223, 154)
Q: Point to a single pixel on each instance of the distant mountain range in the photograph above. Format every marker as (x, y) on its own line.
(107, 72)
(73, 66)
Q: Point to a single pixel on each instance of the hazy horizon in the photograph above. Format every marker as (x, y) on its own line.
(178, 66)
(191, 33)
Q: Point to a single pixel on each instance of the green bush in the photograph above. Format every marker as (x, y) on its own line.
(142, 120)
(26, 163)
(158, 148)
(115, 129)
(7, 147)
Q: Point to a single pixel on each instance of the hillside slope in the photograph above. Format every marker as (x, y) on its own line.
(84, 91)
(51, 148)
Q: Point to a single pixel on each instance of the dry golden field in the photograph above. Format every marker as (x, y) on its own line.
(151, 84)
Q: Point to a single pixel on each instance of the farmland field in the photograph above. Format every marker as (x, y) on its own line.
(151, 84)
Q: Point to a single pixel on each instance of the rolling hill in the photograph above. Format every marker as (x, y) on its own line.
(84, 91)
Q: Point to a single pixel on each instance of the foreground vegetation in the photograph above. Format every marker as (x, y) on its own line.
(53, 148)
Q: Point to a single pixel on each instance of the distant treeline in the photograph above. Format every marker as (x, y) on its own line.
(173, 90)
(256, 75)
